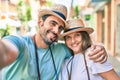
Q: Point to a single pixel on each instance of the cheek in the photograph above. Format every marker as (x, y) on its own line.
(42, 30)
(68, 43)
(79, 39)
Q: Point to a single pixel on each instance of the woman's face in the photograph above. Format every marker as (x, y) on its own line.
(74, 41)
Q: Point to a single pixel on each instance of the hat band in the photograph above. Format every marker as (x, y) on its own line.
(60, 14)
(71, 29)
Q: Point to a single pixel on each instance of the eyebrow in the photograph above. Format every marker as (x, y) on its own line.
(54, 21)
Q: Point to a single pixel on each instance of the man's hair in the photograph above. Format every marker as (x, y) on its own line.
(44, 17)
(86, 40)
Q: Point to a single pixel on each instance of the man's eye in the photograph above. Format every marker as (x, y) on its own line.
(53, 24)
(61, 28)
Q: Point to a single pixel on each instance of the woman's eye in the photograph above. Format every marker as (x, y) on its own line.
(78, 34)
(67, 38)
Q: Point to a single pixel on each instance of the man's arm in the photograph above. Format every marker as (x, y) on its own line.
(8, 53)
(98, 53)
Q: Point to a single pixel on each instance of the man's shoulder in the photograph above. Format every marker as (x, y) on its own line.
(15, 36)
(16, 39)
(60, 44)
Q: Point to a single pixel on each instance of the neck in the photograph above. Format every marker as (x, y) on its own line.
(39, 41)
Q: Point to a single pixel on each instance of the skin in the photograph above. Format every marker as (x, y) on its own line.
(50, 29)
(8, 53)
(74, 41)
(48, 32)
(54, 25)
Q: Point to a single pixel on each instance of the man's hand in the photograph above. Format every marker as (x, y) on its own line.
(98, 53)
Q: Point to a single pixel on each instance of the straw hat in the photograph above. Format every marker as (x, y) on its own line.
(57, 10)
(76, 25)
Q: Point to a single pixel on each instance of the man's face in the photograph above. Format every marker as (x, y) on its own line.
(50, 29)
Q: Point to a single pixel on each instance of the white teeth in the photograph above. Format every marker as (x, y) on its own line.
(74, 45)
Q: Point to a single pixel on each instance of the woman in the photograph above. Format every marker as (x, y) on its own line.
(79, 66)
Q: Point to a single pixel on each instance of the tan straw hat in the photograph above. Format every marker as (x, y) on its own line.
(76, 25)
(57, 10)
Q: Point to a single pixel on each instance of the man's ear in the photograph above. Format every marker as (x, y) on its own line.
(40, 23)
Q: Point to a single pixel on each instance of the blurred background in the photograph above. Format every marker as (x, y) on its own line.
(19, 17)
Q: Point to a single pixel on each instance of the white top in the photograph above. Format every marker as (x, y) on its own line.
(78, 71)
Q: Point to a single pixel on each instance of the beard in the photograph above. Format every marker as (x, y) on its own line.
(47, 40)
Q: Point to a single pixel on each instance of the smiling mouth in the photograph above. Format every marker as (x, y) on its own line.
(54, 39)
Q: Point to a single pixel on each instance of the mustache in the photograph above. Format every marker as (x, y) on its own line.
(55, 35)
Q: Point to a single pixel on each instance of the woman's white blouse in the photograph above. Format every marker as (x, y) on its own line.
(79, 70)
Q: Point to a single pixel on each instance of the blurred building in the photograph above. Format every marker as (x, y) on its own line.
(12, 13)
(107, 23)
(106, 20)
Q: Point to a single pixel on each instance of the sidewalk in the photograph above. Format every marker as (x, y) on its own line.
(115, 61)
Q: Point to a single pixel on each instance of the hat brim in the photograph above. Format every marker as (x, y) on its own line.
(46, 11)
(88, 30)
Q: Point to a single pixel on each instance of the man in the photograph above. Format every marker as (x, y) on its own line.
(39, 57)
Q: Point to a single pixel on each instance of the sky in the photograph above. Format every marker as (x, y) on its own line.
(68, 2)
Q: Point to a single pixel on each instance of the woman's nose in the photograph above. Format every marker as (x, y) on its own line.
(72, 39)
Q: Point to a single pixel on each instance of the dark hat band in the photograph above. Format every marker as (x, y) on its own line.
(72, 29)
(60, 14)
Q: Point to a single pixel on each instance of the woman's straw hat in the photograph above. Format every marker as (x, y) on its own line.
(76, 25)
(57, 10)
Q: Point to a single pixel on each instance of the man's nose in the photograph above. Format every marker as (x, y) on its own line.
(56, 30)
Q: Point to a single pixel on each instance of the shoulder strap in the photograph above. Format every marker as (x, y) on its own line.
(36, 54)
(86, 66)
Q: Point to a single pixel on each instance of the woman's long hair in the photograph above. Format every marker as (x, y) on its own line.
(86, 41)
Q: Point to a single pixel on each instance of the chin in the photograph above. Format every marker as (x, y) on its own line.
(76, 51)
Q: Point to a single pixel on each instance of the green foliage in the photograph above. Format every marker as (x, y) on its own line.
(19, 9)
(49, 3)
(87, 17)
(28, 13)
(24, 13)
(20, 3)
(77, 11)
(5, 32)
(24, 16)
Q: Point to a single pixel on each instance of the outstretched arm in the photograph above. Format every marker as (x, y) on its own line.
(8, 53)
(110, 75)
(98, 53)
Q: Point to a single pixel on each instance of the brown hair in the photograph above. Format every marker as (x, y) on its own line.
(86, 40)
